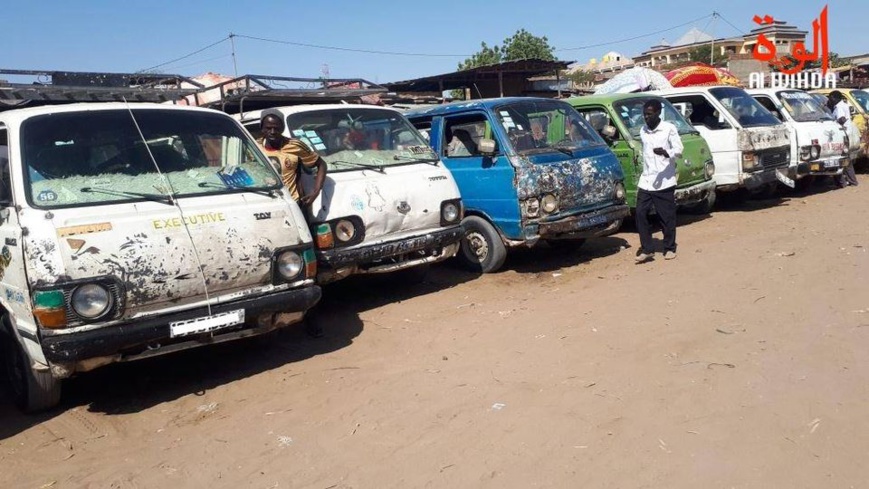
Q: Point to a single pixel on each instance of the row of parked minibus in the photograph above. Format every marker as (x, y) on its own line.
(133, 230)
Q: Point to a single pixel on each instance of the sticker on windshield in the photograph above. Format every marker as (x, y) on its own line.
(796, 95)
(505, 114)
(46, 196)
(299, 132)
(418, 150)
(320, 146)
(238, 178)
(311, 134)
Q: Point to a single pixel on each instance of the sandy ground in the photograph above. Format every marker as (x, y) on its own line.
(744, 363)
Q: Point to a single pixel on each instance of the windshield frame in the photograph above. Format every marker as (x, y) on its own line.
(862, 100)
(594, 139)
(396, 157)
(666, 107)
(719, 93)
(171, 196)
(824, 116)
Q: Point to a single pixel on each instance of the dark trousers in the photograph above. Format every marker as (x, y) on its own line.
(848, 176)
(664, 203)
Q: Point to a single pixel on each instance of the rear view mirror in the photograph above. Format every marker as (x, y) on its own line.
(486, 146)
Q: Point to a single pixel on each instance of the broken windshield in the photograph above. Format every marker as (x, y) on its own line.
(802, 106)
(99, 157)
(360, 138)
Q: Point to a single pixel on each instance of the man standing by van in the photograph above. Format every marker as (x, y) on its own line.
(842, 113)
(657, 186)
(289, 154)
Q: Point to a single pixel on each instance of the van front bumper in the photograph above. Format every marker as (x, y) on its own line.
(601, 222)
(152, 333)
(360, 255)
(695, 193)
(827, 166)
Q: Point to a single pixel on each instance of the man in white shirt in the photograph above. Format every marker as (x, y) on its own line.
(657, 186)
(842, 114)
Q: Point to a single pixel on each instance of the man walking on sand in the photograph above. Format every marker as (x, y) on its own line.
(657, 186)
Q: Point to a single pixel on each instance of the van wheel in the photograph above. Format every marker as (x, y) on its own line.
(482, 249)
(705, 206)
(32, 390)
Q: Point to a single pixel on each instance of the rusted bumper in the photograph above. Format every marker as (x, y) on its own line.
(361, 255)
(695, 193)
(585, 225)
(134, 337)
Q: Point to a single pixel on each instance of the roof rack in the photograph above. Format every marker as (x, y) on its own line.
(255, 92)
(63, 87)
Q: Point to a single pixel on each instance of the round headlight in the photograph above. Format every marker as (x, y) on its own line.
(289, 264)
(620, 191)
(90, 301)
(549, 203)
(450, 212)
(345, 230)
(532, 207)
(710, 169)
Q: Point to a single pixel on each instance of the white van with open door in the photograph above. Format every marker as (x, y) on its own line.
(388, 203)
(132, 230)
(750, 147)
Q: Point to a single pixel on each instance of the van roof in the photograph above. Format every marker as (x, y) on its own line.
(610, 98)
(704, 88)
(251, 115)
(15, 116)
(464, 105)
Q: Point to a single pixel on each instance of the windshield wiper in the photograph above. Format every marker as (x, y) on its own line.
(166, 199)
(269, 192)
(362, 165)
(418, 160)
(562, 150)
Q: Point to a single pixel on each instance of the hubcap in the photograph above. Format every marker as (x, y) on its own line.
(478, 245)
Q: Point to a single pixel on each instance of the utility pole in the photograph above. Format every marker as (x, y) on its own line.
(234, 63)
(712, 51)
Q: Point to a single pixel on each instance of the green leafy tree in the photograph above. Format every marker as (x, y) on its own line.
(521, 45)
(581, 77)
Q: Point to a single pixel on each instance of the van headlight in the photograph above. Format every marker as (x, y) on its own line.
(749, 161)
(451, 212)
(90, 301)
(345, 230)
(289, 264)
(620, 192)
(549, 204)
(805, 153)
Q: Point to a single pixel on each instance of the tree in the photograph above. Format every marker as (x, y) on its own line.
(700, 54)
(581, 77)
(521, 45)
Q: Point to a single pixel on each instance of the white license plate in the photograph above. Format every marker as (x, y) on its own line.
(831, 164)
(206, 324)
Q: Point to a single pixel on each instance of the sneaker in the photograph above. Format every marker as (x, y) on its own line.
(669, 255)
(643, 257)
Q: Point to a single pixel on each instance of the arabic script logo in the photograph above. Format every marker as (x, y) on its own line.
(795, 61)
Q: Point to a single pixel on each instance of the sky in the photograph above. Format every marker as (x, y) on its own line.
(134, 35)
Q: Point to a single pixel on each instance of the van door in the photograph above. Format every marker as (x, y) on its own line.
(14, 295)
(485, 182)
(719, 131)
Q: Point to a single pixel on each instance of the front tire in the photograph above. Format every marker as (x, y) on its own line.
(32, 390)
(482, 249)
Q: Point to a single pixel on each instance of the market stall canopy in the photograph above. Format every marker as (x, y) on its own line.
(701, 74)
(637, 79)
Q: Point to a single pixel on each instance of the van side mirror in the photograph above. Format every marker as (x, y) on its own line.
(853, 110)
(608, 132)
(486, 147)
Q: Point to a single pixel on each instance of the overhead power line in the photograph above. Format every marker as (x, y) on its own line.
(730, 24)
(635, 37)
(353, 50)
(185, 56)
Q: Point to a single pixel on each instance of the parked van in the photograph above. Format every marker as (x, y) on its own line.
(750, 147)
(619, 119)
(388, 203)
(135, 230)
(859, 102)
(819, 145)
(528, 169)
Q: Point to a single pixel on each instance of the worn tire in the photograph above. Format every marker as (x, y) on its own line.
(32, 391)
(482, 249)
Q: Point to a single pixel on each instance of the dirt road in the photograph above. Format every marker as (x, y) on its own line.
(744, 363)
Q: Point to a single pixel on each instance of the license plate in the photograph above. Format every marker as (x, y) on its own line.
(784, 179)
(595, 220)
(831, 164)
(206, 324)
